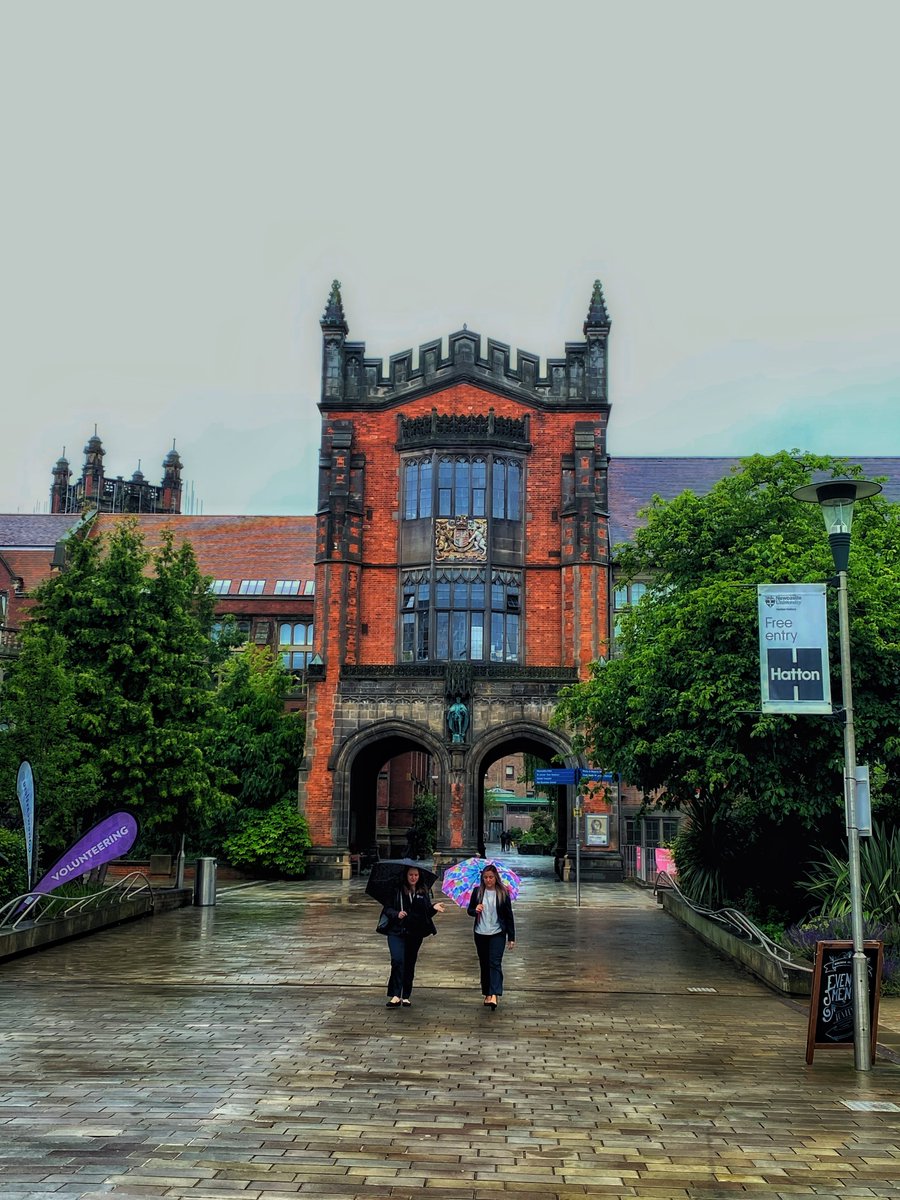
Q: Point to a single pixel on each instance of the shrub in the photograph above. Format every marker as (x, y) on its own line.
(271, 843)
(879, 861)
(13, 865)
(801, 941)
(422, 836)
(543, 826)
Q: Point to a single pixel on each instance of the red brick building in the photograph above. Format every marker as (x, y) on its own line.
(261, 570)
(456, 574)
(462, 571)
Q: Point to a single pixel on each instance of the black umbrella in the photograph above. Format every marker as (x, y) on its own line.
(387, 875)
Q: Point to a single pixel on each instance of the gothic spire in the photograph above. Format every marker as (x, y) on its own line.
(598, 317)
(333, 316)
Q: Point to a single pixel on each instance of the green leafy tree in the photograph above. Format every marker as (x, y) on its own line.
(38, 722)
(676, 711)
(130, 630)
(256, 742)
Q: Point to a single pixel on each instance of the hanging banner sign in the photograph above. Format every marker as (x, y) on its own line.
(107, 840)
(793, 648)
(25, 790)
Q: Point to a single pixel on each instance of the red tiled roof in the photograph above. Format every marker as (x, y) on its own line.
(236, 548)
(31, 566)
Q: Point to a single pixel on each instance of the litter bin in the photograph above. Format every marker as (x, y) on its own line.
(205, 881)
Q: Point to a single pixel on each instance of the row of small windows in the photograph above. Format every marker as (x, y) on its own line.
(458, 487)
(256, 587)
(458, 617)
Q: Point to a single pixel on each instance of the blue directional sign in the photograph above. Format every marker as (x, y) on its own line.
(595, 775)
(555, 775)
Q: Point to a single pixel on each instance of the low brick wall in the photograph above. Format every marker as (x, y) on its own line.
(771, 972)
(30, 937)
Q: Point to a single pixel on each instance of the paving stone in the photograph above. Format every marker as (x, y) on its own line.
(245, 1050)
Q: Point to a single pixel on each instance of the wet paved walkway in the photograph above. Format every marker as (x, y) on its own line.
(245, 1050)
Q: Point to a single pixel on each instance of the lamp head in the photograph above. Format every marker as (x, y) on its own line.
(836, 498)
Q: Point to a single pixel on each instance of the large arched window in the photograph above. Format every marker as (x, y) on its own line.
(454, 616)
(456, 485)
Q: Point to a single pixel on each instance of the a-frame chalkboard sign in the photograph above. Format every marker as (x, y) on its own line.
(831, 1005)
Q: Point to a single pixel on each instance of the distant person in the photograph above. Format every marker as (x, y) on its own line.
(495, 929)
(504, 840)
(409, 923)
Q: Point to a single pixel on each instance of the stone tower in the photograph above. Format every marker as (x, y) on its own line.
(462, 571)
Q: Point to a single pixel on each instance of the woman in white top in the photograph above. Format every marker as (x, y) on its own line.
(495, 928)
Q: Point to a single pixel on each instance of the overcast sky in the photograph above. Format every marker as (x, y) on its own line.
(183, 180)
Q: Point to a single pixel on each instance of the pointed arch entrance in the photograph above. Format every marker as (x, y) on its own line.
(529, 738)
(377, 775)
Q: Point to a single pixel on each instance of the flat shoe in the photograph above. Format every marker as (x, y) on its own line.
(393, 1004)
(406, 1003)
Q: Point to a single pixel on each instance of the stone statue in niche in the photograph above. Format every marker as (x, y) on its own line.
(458, 720)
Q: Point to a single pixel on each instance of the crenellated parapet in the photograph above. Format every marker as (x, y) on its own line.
(577, 379)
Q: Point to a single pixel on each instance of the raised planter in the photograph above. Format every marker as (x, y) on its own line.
(35, 935)
(534, 848)
(760, 964)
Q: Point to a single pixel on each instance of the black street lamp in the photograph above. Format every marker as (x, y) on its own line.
(836, 498)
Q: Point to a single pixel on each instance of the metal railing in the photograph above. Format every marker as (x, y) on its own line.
(738, 922)
(32, 908)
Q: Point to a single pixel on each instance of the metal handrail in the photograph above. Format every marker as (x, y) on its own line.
(738, 921)
(35, 907)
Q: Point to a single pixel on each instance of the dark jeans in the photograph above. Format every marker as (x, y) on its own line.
(490, 949)
(404, 952)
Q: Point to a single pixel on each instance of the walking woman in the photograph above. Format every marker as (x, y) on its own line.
(495, 929)
(408, 924)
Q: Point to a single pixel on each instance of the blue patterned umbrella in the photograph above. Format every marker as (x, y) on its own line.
(461, 880)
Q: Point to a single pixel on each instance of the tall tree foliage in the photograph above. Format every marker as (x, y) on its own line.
(256, 741)
(129, 630)
(676, 709)
(38, 716)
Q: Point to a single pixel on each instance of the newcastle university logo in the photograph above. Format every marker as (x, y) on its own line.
(793, 648)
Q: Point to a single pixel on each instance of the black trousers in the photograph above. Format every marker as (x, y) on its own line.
(490, 949)
(404, 950)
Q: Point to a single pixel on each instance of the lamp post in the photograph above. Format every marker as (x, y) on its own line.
(836, 498)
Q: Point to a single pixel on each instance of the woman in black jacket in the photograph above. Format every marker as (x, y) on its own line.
(408, 924)
(495, 928)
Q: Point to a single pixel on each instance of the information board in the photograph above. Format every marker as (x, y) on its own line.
(831, 1003)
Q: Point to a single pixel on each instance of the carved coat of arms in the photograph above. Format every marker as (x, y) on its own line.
(460, 539)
